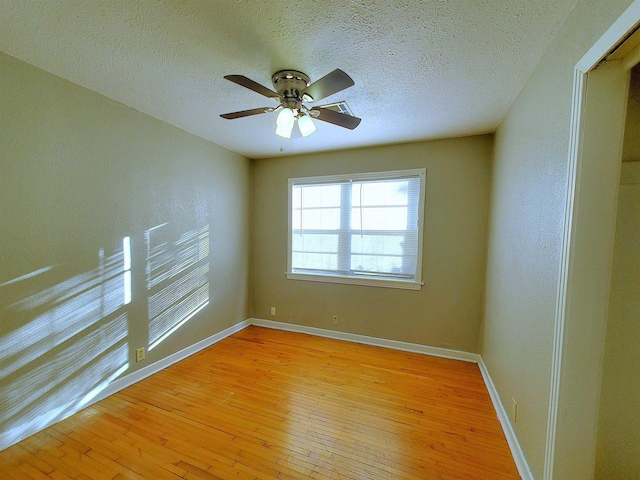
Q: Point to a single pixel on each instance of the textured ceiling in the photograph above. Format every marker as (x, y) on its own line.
(422, 69)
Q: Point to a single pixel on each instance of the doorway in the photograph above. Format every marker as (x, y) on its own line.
(618, 440)
(598, 117)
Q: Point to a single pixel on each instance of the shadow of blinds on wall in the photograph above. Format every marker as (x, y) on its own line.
(177, 271)
(65, 341)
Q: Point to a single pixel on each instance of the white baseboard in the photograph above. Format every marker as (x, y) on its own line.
(514, 445)
(378, 342)
(149, 370)
(507, 428)
(20, 432)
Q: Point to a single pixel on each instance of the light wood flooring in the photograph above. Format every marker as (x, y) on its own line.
(270, 404)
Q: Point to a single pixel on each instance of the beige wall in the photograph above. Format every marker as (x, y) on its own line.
(618, 446)
(525, 235)
(78, 172)
(447, 311)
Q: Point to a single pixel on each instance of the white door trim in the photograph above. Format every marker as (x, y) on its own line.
(624, 25)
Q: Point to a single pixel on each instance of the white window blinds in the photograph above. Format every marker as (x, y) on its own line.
(365, 226)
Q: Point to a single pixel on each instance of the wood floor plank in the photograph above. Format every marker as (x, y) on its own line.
(270, 404)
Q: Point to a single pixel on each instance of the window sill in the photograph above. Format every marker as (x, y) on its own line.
(370, 282)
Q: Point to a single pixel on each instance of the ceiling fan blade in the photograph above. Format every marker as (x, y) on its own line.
(251, 85)
(328, 85)
(247, 113)
(331, 116)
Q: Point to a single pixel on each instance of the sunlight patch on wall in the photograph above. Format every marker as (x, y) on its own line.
(53, 389)
(126, 253)
(27, 276)
(59, 312)
(177, 278)
(63, 344)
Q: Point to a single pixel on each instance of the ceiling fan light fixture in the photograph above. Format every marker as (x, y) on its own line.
(292, 90)
(284, 123)
(306, 125)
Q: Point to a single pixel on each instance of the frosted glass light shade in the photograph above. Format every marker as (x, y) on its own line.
(284, 123)
(306, 125)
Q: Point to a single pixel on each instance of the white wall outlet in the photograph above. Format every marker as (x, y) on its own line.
(514, 410)
(273, 310)
(334, 319)
(139, 354)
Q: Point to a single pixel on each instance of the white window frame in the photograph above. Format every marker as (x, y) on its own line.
(408, 284)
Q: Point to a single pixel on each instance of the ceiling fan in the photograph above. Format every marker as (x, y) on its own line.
(293, 91)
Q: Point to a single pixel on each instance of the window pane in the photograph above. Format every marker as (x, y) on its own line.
(378, 264)
(314, 261)
(379, 218)
(395, 254)
(380, 192)
(312, 196)
(322, 243)
(316, 219)
(377, 244)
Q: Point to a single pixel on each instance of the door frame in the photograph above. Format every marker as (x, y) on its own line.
(580, 320)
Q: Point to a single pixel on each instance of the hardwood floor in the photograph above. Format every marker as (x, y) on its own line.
(269, 404)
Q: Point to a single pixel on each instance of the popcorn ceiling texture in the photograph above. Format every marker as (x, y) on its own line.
(423, 69)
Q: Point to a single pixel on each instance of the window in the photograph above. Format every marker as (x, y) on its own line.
(364, 229)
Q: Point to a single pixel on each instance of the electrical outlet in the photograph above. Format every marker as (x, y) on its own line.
(139, 354)
(273, 310)
(514, 410)
(334, 319)
(294, 314)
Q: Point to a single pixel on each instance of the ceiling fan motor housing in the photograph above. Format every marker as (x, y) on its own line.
(290, 84)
